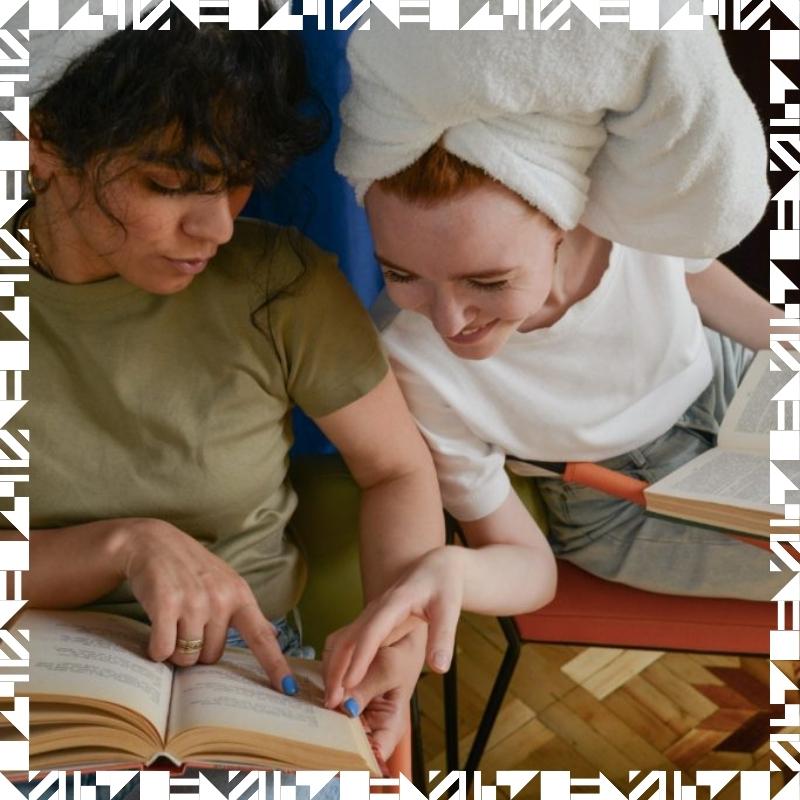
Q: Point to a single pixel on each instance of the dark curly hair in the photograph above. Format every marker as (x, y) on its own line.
(235, 105)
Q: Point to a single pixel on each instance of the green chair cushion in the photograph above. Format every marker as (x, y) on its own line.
(531, 498)
(325, 527)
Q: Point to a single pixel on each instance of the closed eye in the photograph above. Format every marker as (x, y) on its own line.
(490, 286)
(393, 276)
(160, 188)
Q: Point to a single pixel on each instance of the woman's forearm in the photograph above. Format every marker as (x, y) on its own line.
(728, 305)
(401, 520)
(401, 510)
(505, 579)
(72, 566)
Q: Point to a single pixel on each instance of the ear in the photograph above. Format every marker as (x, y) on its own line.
(44, 161)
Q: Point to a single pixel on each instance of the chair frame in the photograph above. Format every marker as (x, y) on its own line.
(500, 686)
(505, 673)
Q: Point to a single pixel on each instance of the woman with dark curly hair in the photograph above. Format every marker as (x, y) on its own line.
(170, 341)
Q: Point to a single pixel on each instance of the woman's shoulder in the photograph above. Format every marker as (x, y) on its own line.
(632, 257)
(273, 257)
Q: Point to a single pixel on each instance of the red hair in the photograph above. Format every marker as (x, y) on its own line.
(436, 175)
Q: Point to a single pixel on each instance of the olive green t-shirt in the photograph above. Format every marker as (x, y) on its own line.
(178, 407)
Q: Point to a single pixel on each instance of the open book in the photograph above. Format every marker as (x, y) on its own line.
(97, 701)
(728, 486)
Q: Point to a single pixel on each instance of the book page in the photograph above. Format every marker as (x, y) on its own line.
(752, 414)
(723, 476)
(99, 656)
(235, 693)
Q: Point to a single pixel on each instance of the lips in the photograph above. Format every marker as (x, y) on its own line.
(189, 266)
(474, 335)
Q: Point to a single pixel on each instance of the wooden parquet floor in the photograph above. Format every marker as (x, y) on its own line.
(591, 710)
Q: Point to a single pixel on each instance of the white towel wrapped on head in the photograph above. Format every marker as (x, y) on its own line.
(645, 137)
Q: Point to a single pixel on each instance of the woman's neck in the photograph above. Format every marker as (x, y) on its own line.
(585, 259)
(581, 261)
(60, 252)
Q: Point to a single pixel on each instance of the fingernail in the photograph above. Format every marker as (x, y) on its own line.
(289, 685)
(351, 707)
(441, 661)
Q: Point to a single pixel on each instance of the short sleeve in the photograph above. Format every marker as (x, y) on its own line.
(471, 472)
(326, 343)
(692, 265)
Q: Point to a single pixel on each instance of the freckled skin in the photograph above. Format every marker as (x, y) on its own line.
(479, 266)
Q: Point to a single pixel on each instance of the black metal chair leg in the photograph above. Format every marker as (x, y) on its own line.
(495, 701)
(418, 775)
(450, 685)
(450, 678)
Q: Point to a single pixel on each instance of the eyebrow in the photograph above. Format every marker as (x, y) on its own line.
(489, 273)
(162, 161)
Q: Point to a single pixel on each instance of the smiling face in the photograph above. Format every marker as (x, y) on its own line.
(478, 265)
(154, 228)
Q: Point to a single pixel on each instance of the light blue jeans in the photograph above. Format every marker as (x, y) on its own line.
(617, 541)
(291, 644)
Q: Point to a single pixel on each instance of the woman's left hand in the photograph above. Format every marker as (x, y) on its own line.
(384, 694)
(428, 596)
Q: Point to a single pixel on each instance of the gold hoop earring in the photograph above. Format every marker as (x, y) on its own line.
(35, 185)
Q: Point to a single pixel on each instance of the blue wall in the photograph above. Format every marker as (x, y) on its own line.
(321, 203)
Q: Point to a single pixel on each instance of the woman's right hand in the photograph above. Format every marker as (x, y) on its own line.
(190, 594)
(187, 592)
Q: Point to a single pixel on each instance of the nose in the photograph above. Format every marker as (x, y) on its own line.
(447, 313)
(210, 218)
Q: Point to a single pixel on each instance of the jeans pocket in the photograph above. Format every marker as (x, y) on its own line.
(679, 445)
(578, 515)
(700, 419)
(706, 437)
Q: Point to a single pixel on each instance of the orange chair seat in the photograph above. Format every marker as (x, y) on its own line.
(592, 611)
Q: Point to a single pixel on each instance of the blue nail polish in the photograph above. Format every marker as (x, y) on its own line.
(289, 685)
(351, 707)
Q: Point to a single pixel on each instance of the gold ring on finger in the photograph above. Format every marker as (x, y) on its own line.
(189, 646)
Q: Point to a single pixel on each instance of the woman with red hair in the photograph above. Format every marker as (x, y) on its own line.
(547, 208)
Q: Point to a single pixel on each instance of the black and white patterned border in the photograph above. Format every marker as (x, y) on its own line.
(781, 18)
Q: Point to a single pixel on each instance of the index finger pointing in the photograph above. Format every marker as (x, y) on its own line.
(259, 634)
(373, 633)
(335, 662)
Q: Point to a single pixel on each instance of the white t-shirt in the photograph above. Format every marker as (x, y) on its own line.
(616, 371)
